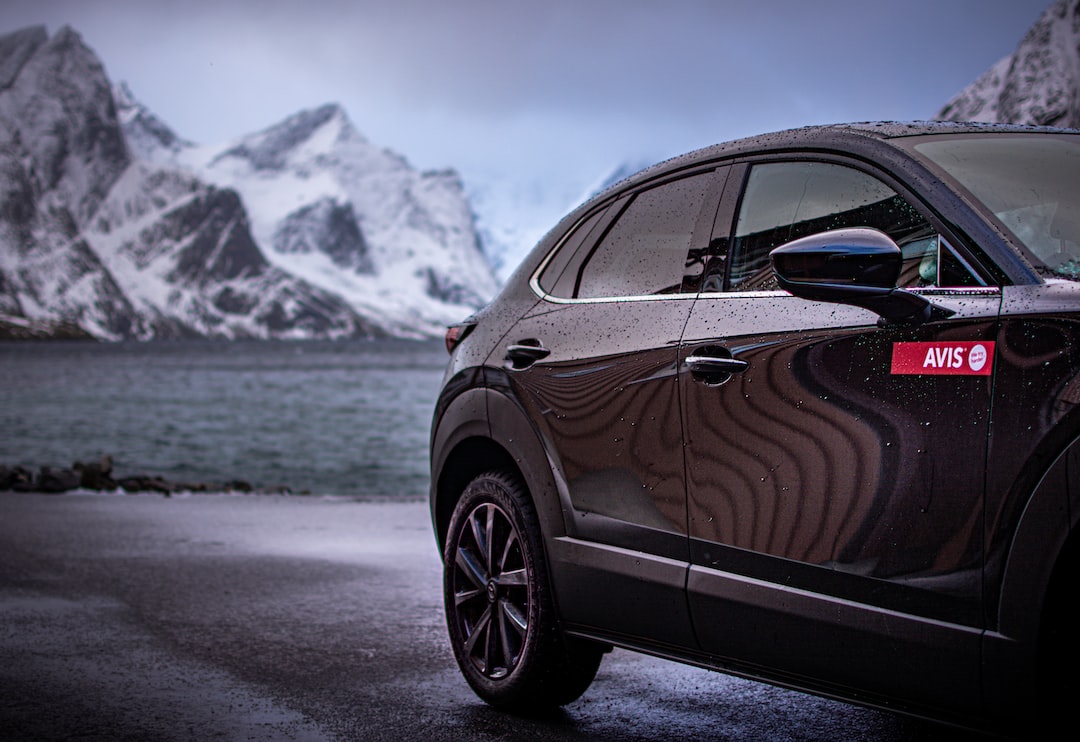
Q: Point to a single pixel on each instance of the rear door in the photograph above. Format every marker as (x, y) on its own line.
(834, 472)
(595, 365)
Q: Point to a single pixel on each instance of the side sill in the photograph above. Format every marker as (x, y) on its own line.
(790, 682)
(620, 590)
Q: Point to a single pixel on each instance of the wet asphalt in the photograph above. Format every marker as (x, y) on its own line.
(303, 618)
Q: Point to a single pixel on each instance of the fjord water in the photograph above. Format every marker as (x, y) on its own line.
(334, 418)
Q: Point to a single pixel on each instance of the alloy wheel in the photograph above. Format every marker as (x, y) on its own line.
(491, 591)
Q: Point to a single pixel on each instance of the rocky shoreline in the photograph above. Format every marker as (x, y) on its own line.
(20, 328)
(98, 476)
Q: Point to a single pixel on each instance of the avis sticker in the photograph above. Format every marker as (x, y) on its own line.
(963, 358)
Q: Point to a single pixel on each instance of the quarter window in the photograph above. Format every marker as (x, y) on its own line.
(645, 250)
(557, 279)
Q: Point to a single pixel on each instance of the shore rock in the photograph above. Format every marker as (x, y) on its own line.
(98, 476)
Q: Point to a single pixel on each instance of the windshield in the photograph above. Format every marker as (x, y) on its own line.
(1031, 183)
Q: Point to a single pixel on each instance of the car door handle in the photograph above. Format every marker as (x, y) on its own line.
(525, 353)
(714, 366)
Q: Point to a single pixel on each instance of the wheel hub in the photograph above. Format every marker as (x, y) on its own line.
(492, 591)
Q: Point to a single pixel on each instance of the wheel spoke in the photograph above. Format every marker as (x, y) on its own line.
(513, 578)
(478, 631)
(491, 646)
(508, 548)
(489, 540)
(464, 596)
(479, 533)
(468, 564)
(508, 652)
(516, 616)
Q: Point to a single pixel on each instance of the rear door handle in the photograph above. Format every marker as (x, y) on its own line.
(714, 365)
(525, 353)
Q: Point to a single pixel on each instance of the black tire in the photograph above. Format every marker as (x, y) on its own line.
(499, 609)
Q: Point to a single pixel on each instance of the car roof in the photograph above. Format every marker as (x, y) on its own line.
(867, 138)
(846, 137)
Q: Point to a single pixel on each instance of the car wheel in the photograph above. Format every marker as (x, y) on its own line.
(499, 609)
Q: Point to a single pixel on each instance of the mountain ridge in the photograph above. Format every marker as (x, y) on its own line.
(393, 241)
(112, 223)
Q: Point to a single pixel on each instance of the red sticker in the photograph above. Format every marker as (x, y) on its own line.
(970, 358)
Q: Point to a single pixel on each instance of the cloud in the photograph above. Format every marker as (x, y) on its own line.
(535, 87)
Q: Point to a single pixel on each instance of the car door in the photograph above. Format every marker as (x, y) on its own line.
(835, 465)
(595, 366)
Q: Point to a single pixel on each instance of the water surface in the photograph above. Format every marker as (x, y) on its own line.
(349, 418)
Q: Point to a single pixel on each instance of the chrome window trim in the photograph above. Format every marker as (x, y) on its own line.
(611, 299)
(971, 291)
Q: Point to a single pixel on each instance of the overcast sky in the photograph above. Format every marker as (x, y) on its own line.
(543, 90)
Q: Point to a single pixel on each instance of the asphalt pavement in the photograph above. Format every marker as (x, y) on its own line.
(303, 618)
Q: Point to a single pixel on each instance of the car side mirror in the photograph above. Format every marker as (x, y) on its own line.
(857, 266)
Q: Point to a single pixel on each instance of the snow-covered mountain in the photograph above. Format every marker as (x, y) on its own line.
(112, 222)
(1038, 84)
(350, 217)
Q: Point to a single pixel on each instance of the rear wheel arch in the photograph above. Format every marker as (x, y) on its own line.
(505, 441)
(470, 458)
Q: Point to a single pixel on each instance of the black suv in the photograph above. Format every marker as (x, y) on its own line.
(803, 408)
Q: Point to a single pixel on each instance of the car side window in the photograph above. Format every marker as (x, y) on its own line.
(785, 201)
(645, 251)
(559, 277)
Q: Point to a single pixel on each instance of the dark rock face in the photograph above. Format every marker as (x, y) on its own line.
(328, 227)
(447, 288)
(218, 241)
(298, 308)
(17, 200)
(61, 150)
(61, 98)
(41, 330)
(15, 49)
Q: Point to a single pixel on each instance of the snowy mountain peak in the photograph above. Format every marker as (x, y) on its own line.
(304, 136)
(1038, 84)
(399, 245)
